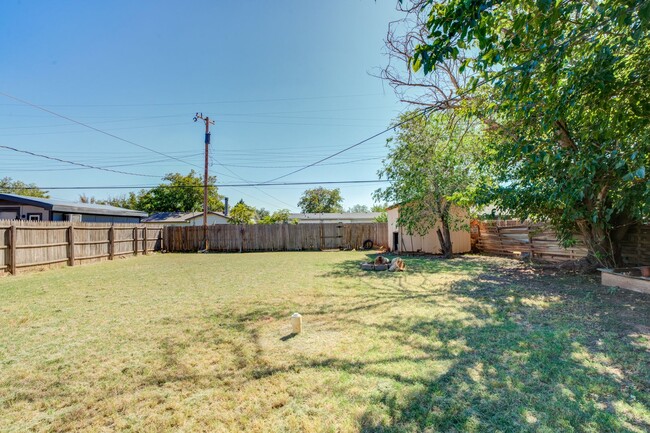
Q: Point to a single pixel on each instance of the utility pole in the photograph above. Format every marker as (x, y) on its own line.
(207, 122)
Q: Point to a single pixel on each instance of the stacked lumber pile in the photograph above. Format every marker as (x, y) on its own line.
(505, 238)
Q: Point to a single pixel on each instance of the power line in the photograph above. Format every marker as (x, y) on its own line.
(80, 164)
(243, 101)
(95, 129)
(408, 119)
(222, 185)
(294, 166)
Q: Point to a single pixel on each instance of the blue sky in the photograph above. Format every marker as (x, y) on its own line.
(287, 82)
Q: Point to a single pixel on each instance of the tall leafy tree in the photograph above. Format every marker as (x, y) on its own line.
(431, 160)
(241, 213)
(280, 216)
(10, 186)
(359, 208)
(321, 200)
(126, 201)
(182, 193)
(563, 86)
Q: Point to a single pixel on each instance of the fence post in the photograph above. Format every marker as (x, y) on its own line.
(135, 240)
(12, 251)
(111, 240)
(71, 244)
(144, 234)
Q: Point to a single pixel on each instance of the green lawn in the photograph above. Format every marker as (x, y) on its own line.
(202, 343)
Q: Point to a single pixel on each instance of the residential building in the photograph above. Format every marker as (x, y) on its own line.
(19, 207)
(401, 241)
(346, 217)
(185, 218)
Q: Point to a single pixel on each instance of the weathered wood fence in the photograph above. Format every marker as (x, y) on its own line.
(30, 244)
(276, 237)
(514, 238)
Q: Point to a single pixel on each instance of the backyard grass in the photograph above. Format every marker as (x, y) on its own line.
(202, 343)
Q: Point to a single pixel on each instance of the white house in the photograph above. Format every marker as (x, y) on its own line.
(346, 217)
(185, 218)
(401, 241)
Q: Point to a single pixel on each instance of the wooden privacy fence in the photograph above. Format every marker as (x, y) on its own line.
(513, 238)
(635, 247)
(509, 238)
(28, 244)
(276, 237)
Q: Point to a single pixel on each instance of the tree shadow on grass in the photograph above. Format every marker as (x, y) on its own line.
(568, 366)
(523, 352)
(414, 264)
(529, 353)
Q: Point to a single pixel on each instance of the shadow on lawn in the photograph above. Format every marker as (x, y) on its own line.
(518, 374)
(534, 353)
(424, 263)
(525, 352)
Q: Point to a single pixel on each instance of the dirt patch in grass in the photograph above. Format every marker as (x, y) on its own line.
(203, 343)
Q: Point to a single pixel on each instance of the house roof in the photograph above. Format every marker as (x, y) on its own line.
(55, 205)
(335, 216)
(177, 217)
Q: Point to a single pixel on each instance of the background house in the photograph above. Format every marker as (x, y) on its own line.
(401, 241)
(13, 206)
(185, 218)
(348, 217)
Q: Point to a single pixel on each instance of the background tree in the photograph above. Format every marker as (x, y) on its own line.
(321, 200)
(358, 208)
(126, 201)
(280, 216)
(261, 214)
(430, 161)
(83, 198)
(567, 84)
(180, 193)
(383, 217)
(241, 213)
(7, 185)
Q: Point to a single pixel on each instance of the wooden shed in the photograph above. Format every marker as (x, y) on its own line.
(401, 241)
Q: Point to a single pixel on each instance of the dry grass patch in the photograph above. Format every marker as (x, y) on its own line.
(203, 343)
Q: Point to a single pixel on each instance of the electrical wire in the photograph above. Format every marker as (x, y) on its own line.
(244, 101)
(95, 129)
(408, 119)
(218, 185)
(80, 164)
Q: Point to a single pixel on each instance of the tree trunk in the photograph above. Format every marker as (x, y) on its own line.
(603, 245)
(444, 236)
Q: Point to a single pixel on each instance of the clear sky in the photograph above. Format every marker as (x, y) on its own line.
(287, 82)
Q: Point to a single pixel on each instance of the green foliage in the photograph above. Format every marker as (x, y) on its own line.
(241, 213)
(280, 216)
(179, 194)
(564, 87)
(358, 208)
(9, 186)
(261, 214)
(430, 160)
(383, 218)
(126, 201)
(321, 200)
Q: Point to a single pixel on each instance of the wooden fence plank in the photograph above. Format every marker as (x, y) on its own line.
(12, 254)
(25, 244)
(276, 237)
